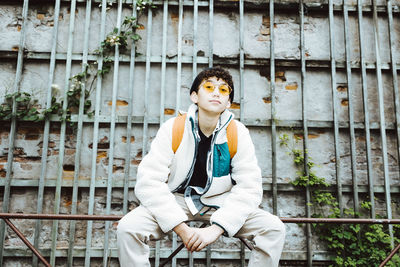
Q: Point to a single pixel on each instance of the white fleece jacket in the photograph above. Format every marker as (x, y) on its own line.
(161, 172)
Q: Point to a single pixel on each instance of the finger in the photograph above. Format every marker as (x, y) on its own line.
(191, 241)
(202, 245)
(196, 245)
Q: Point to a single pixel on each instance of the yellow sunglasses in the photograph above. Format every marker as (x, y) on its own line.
(224, 89)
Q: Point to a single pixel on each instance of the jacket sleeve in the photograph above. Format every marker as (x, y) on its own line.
(152, 176)
(246, 194)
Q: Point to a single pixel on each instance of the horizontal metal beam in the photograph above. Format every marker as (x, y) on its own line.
(155, 120)
(267, 187)
(234, 4)
(279, 62)
(216, 254)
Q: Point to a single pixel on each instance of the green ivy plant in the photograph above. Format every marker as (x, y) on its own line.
(123, 37)
(350, 244)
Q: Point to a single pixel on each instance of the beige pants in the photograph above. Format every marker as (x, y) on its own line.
(137, 227)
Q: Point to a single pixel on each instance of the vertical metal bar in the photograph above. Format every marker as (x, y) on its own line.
(334, 107)
(241, 60)
(17, 81)
(382, 121)
(46, 130)
(195, 18)
(305, 129)
(129, 120)
(273, 107)
(174, 246)
(208, 256)
(57, 196)
(147, 82)
(211, 33)
(79, 137)
(163, 61)
(394, 76)
(112, 137)
(179, 64)
(351, 110)
(157, 254)
(366, 111)
(190, 254)
(92, 186)
(242, 255)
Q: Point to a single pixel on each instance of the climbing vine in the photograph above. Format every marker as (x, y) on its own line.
(350, 244)
(27, 108)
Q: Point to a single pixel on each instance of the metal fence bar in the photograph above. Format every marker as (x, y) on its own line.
(112, 138)
(179, 63)
(162, 96)
(85, 217)
(305, 129)
(394, 77)
(46, 131)
(382, 120)
(92, 186)
(195, 18)
(350, 110)
(147, 82)
(211, 34)
(57, 197)
(27, 243)
(129, 121)
(163, 61)
(273, 106)
(79, 137)
(334, 107)
(241, 58)
(11, 139)
(366, 111)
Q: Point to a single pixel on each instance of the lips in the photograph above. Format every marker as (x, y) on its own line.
(215, 101)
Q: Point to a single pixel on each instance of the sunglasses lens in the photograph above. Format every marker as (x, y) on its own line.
(209, 87)
(224, 90)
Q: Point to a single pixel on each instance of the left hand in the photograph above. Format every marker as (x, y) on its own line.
(203, 237)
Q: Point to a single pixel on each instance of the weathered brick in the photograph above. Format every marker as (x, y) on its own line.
(169, 111)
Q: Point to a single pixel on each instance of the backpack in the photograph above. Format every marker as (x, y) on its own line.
(179, 127)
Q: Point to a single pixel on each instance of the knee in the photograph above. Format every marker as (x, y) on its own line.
(127, 226)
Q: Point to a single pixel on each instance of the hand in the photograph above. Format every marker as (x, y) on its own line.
(184, 232)
(202, 237)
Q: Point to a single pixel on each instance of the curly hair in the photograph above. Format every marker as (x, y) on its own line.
(211, 72)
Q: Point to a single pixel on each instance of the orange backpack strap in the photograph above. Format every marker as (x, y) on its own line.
(232, 136)
(177, 131)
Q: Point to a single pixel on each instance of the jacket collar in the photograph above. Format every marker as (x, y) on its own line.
(223, 121)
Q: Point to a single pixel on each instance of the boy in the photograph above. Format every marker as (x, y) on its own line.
(200, 181)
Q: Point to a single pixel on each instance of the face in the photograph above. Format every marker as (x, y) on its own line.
(212, 101)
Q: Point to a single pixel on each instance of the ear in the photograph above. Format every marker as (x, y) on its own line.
(194, 97)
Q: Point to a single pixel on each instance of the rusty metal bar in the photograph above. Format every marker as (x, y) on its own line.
(390, 256)
(118, 217)
(26, 241)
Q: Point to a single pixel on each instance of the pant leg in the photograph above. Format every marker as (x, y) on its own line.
(134, 231)
(268, 234)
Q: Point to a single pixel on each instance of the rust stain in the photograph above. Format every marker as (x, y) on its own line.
(15, 48)
(291, 86)
(342, 88)
(235, 105)
(307, 54)
(267, 100)
(345, 102)
(124, 139)
(115, 224)
(141, 27)
(119, 103)
(100, 155)
(310, 136)
(40, 16)
(169, 111)
(19, 28)
(135, 161)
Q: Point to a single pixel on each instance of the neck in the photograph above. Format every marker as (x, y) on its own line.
(207, 122)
